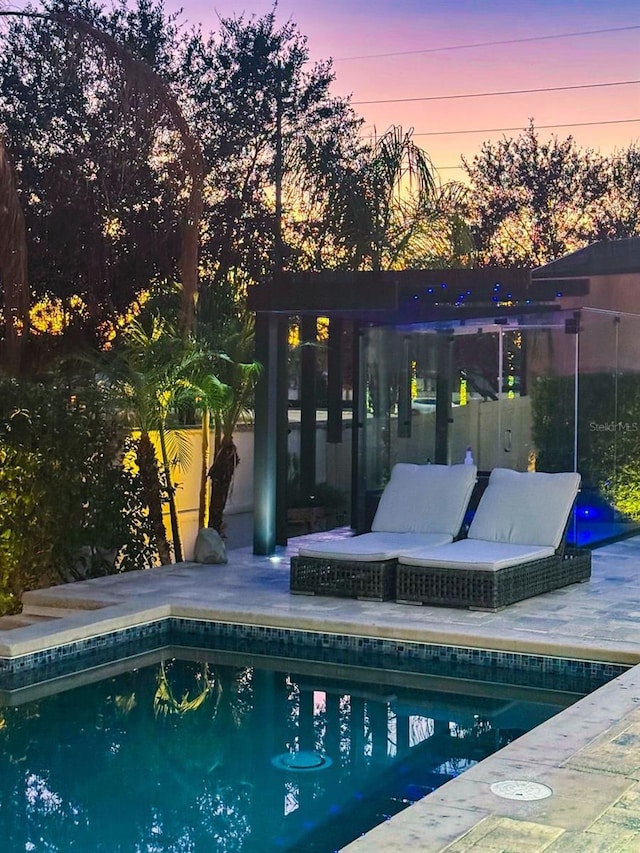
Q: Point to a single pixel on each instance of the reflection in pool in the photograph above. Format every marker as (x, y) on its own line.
(218, 754)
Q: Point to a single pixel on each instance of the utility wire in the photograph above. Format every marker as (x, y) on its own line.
(487, 43)
(537, 127)
(495, 94)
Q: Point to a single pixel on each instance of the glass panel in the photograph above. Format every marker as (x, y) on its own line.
(609, 425)
(380, 369)
(324, 503)
(475, 398)
(554, 393)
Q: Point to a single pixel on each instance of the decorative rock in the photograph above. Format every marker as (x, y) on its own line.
(209, 547)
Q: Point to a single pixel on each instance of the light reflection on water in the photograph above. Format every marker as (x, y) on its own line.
(177, 756)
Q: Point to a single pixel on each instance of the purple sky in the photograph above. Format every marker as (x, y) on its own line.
(346, 29)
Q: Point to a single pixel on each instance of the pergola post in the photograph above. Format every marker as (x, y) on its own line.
(308, 417)
(265, 461)
(334, 382)
(444, 361)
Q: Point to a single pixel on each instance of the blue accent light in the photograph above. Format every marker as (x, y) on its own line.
(415, 297)
(496, 288)
(509, 296)
(430, 290)
(443, 286)
(494, 299)
(468, 293)
(590, 512)
(414, 792)
(559, 293)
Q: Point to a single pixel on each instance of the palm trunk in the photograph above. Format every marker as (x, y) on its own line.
(203, 503)
(171, 496)
(148, 465)
(221, 473)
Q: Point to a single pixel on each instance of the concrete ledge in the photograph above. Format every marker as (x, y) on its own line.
(554, 754)
(79, 626)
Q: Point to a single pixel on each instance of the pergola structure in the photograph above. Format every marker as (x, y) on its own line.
(363, 299)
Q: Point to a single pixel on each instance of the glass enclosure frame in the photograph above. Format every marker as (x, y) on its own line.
(558, 392)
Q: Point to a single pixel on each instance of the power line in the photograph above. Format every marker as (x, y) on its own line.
(494, 94)
(537, 127)
(487, 43)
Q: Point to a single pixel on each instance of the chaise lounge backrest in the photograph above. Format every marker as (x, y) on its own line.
(525, 508)
(425, 499)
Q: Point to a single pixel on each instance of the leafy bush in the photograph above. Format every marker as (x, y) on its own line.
(70, 505)
(608, 433)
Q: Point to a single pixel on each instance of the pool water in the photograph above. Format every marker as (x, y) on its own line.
(221, 752)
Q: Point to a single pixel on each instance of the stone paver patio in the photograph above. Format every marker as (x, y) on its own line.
(589, 755)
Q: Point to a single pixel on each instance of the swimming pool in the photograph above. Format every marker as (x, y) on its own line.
(235, 749)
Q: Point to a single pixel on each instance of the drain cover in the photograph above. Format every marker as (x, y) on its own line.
(520, 789)
(302, 760)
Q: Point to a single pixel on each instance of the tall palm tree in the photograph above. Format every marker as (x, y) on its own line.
(389, 210)
(149, 372)
(236, 368)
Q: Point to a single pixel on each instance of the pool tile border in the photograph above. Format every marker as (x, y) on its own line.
(456, 661)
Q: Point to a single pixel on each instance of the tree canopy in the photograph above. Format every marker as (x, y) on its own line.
(102, 135)
(534, 200)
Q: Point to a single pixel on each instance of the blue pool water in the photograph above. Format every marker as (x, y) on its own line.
(185, 751)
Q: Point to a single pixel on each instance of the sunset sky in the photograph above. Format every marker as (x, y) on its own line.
(389, 50)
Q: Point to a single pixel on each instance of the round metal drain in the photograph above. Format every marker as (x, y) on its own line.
(302, 761)
(520, 789)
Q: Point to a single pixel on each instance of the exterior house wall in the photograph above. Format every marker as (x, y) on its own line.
(602, 347)
(333, 464)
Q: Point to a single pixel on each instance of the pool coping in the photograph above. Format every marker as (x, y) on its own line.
(466, 804)
(85, 623)
(573, 751)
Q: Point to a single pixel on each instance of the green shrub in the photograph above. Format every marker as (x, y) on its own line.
(608, 433)
(70, 506)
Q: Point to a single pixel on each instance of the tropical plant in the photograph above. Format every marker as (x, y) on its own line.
(149, 373)
(235, 368)
(387, 210)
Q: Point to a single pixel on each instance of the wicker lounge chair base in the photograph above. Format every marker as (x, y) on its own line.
(368, 580)
(490, 590)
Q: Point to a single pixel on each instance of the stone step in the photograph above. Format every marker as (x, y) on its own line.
(21, 620)
(60, 601)
(48, 611)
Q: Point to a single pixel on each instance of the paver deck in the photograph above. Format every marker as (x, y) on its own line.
(589, 755)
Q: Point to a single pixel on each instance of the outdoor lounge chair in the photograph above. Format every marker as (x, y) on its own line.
(514, 548)
(421, 506)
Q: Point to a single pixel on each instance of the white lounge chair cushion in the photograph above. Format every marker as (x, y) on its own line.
(525, 508)
(477, 555)
(370, 547)
(425, 499)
